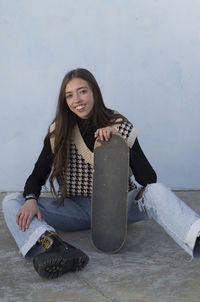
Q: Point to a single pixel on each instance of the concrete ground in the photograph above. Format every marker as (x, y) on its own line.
(150, 268)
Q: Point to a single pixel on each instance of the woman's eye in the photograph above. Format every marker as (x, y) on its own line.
(68, 96)
(83, 91)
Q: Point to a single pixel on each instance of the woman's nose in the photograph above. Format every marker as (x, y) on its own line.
(76, 98)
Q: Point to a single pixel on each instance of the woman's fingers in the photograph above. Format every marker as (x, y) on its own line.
(101, 134)
(21, 220)
(19, 216)
(26, 214)
(39, 215)
(28, 221)
(25, 220)
(23, 223)
(104, 133)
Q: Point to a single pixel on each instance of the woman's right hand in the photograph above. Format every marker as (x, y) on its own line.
(26, 214)
(104, 133)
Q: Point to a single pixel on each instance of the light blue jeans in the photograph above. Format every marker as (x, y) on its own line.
(158, 202)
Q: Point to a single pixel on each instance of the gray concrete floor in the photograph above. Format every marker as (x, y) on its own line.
(150, 268)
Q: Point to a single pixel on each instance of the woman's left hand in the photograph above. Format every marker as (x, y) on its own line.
(140, 194)
(104, 133)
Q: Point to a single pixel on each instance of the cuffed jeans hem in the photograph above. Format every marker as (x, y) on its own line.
(191, 237)
(31, 241)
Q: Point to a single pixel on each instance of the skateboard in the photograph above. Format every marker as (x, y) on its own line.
(110, 194)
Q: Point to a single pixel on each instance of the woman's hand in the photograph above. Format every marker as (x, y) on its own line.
(104, 133)
(26, 214)
(139, 195)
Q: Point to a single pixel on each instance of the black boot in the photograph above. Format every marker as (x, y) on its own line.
(58, 257)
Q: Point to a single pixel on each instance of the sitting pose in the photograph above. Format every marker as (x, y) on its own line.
(67, 160)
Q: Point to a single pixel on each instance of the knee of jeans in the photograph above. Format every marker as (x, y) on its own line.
(154, 193)
(9, 201)
(156, 188)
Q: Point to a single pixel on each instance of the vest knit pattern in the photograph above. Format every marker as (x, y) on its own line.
(79, 174)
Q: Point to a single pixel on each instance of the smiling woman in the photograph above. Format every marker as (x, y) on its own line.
(80, 103)
(67, 158)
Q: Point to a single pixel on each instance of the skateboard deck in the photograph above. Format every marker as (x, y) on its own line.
(110, 194)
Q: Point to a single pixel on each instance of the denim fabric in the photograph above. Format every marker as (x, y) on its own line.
(158, 202)
(74, 215)
(177, 218)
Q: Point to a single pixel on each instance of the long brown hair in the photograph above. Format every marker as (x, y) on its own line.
(65, 121)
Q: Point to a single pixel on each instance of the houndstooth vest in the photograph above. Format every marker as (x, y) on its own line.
(79, 173)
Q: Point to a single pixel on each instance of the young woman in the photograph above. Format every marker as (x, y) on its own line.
(67, 159)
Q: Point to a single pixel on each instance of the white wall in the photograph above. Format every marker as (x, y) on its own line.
(145, 56)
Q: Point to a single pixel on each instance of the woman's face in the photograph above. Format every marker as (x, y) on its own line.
(79, 97)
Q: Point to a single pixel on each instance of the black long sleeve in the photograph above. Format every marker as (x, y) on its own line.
(41, 170)
(142, 170)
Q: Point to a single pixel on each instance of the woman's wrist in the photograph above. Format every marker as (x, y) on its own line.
(30, 196)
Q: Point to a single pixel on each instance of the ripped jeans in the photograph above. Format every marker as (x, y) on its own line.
(158, 202)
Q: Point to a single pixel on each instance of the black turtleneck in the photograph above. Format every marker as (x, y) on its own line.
(87, 131)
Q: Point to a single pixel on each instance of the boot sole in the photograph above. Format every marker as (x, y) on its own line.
(52, 265)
